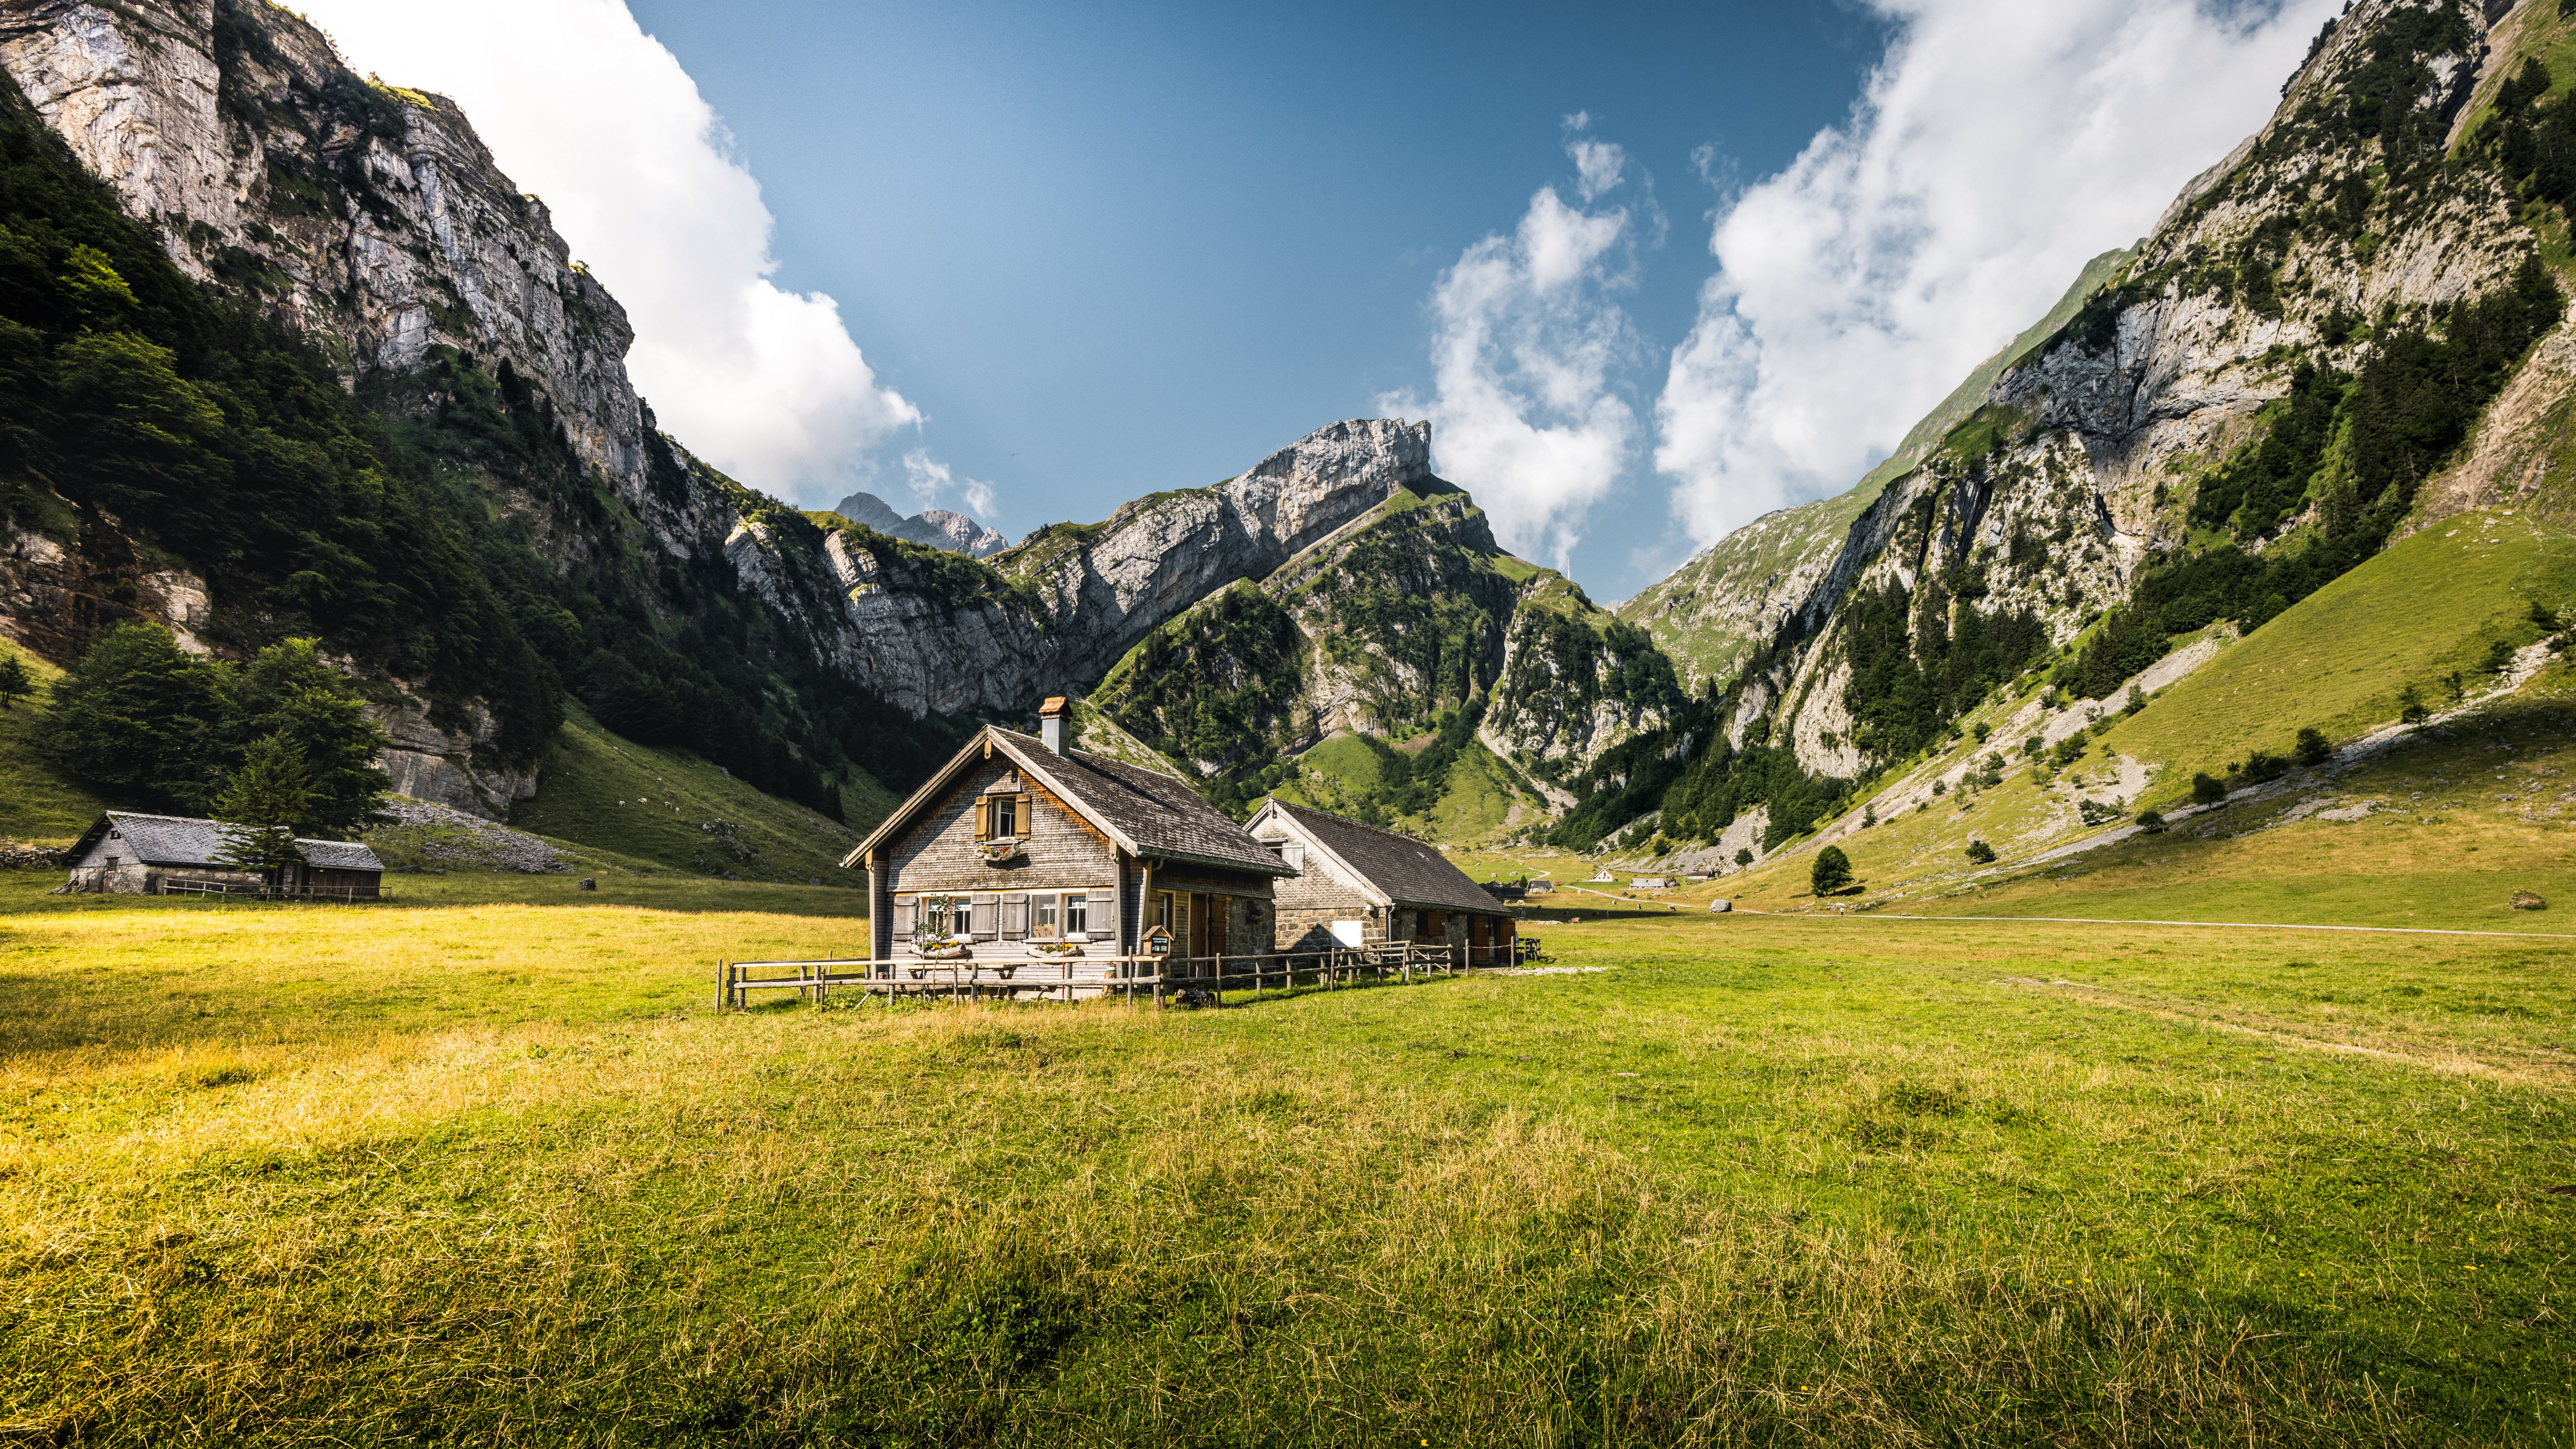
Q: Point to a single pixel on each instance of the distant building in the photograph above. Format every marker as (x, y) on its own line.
(1023, 846)
(1359, 885)
(151, 855)
(1650, 883)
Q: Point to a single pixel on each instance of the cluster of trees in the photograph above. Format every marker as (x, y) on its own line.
(1913, 673)
(2532, 145)
(282, 741)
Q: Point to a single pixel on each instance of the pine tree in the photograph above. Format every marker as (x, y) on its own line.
(289, 690)
(267, 798)
(17, 681)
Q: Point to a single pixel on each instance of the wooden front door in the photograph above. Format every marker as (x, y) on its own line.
(1207, 924)
(1478, 943)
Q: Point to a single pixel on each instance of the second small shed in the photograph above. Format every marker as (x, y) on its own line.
(1359, 885)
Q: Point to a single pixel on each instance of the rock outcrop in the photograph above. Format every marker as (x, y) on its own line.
(932, 527)
(2079, 460)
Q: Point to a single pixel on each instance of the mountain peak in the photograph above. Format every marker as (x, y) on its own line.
(932, 527)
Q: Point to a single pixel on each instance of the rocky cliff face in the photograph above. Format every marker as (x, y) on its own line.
(2341, 238)
(370, 222)
(935, 633)
(1405, 619)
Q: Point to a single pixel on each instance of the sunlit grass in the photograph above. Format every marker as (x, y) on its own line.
(481, 1168)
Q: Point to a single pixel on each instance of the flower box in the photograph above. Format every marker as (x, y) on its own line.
(1057, 950)
(941, 948)
(999, 852)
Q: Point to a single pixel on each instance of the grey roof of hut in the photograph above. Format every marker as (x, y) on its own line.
(1148, 814)
(1403, 869)
(186, 840)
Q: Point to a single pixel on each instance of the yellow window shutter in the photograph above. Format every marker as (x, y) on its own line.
(1027, 823)
(983, 818)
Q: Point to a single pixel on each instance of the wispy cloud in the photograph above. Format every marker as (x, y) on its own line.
(582, 107)
(1525, 341)
(1997, 147)
(931, 483)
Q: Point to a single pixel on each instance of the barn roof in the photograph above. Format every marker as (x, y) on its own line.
(1399, 868)
(186, 840)
(1147, 814)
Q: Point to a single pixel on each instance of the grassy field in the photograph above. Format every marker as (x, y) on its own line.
(478, 1167)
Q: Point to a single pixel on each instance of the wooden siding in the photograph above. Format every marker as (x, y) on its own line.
(938, 855)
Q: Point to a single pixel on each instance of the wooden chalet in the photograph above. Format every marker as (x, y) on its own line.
(127, 853)
(1362, 886)
(1022, 848)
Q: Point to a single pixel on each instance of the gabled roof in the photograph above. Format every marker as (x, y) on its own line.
(1147, 814)
(1398, 869)
(186, 840)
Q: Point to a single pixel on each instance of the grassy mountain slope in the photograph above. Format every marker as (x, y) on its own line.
(2437, 603)
(673, 808)
(37, 803)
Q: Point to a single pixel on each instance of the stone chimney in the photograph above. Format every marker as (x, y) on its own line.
(1052, 717)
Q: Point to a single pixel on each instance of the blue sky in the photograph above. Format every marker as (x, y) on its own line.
(1114, 248)
(1651, 269)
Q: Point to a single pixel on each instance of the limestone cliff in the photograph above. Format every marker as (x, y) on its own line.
(371, 225)
(2126, 437)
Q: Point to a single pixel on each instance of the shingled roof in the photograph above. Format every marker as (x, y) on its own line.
(1402, 870)
(188, 841)
(1148, 814)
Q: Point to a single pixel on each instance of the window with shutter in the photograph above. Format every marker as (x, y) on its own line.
(903, 916)
(983, 818)
(1027, 820)
(988, 913)
(1015, 916)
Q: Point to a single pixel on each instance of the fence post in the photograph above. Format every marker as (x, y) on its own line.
(720, 985)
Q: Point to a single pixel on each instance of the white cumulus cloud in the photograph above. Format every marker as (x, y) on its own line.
(583, 108)
(1525, 342)
(1997, 146)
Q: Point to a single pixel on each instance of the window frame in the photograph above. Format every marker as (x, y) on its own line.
(1072, 911)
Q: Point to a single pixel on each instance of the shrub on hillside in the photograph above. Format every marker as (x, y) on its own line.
(2206, 791)
(17, 681)
(2150, 821)
(1981, 853)
(1832, 871)
(1744, 857)
(2312, 749)
(2410, 705)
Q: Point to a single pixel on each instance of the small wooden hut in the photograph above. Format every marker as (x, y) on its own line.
(127, 853)
(1359, 885)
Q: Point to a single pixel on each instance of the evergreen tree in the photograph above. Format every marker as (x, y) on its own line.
(2313, 748)
(143, 718)
(2206, 791)
(1832, 871)
(1980, 853)
(267, 798)
(1744, 857)
(17, 681)
(288, 690)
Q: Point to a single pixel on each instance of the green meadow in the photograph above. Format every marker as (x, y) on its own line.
(480, 1166)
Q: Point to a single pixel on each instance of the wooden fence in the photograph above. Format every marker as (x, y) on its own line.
(346, 895)
(1129, 978)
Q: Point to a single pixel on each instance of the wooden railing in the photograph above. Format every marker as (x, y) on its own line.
(1129, 978)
